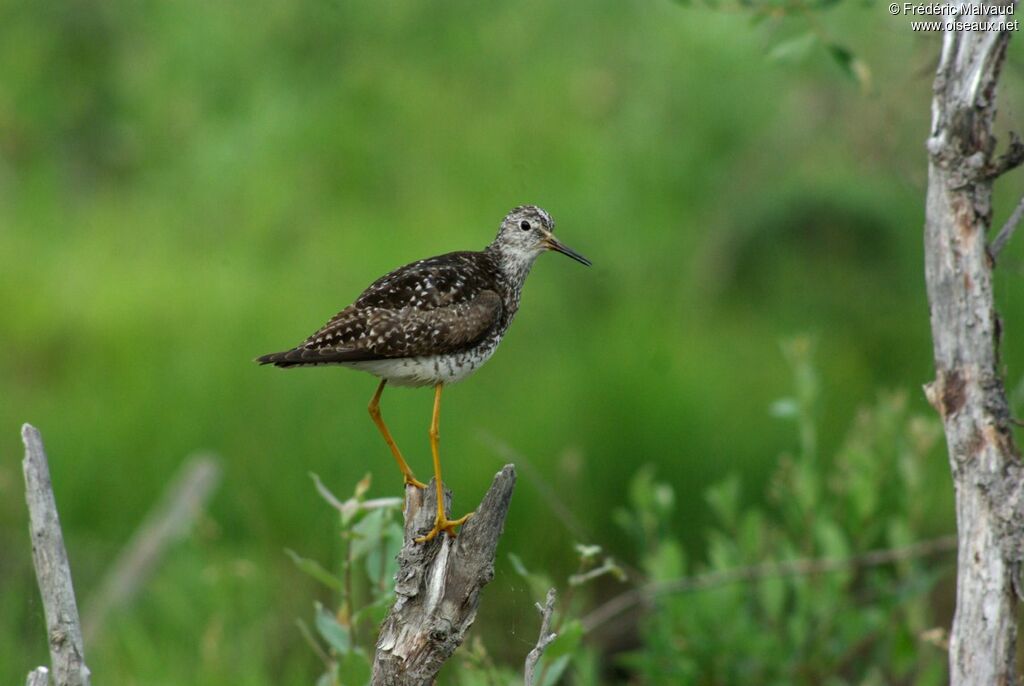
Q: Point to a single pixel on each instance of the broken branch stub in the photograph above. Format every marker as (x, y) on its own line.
(438, 584)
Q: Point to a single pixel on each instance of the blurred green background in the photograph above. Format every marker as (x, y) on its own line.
(186, 185)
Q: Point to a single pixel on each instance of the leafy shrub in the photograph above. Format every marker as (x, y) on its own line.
(789, 593)
(826, 582)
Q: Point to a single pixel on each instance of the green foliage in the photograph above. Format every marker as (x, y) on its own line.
(344, 638)
(855, 625)
(568, 652)
(806, 33)
(787, 592)
(185, 185)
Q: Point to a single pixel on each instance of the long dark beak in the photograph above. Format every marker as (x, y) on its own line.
(554, 244)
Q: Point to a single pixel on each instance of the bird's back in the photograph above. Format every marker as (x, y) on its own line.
(441, 305)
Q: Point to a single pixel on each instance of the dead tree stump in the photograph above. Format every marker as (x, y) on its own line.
(438, 585)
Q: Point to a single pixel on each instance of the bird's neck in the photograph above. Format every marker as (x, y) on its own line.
(514, 265)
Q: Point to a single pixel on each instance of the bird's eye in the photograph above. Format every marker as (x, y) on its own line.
(524, 225)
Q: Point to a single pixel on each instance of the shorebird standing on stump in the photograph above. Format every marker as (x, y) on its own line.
(433, 322)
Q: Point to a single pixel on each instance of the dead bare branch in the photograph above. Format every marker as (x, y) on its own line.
(968, 391)
(1009, 160)
(64, 632)
(438, 585)
(172, 517)
(543, 640)
(1006, 233)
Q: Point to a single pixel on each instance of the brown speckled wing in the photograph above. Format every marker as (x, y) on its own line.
(429, 307)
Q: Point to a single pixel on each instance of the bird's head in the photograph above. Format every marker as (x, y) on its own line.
(526, 232)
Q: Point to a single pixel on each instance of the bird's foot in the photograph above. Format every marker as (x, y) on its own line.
(442, 523)
(411, 480)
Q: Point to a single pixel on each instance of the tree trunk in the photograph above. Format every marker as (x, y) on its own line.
(968, 388)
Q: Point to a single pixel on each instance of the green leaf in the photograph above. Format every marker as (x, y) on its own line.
(724, 500)
(388, 545)
(804, 486)
(567, 641)
(375, 611)
(794, 49)
(538, 583)
(518, 566)
(313, 568)
(336, 635)
(641, 489)
(843, 57)
(751, 536)
(832, 539)
(367, 534)
(721, 552)
(555, 668)
(561, 651)
(328, 678)
(898, 533)
(652, 500)
(851, 65)
(354, 669)
(771, 592)
(666, 562)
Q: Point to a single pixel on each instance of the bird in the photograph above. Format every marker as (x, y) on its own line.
(432, 323)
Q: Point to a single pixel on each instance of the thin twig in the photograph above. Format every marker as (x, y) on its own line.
(607, 567)
(40, 676)
(167, 522)
(1006, 233)
(557, 504)
(67, 656)
(307, 635)
(798, 567)
(349, 507)
(1009, 160)
(543, 640)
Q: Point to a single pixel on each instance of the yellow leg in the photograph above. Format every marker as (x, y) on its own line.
(441, 521)
(379, 421)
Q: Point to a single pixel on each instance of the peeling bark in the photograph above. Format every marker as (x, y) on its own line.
(438, 585)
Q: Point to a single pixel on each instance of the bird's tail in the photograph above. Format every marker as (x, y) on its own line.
(285, 358)
(304, 357)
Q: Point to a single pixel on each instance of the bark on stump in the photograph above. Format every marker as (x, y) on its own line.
(438, 584)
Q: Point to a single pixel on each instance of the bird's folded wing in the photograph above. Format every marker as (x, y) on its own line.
(372, 333)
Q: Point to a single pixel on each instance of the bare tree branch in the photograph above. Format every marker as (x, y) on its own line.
(64, 633)
(543, 640)
(786, 568)
(968, 390)
(1009, 160)
(438, 585)
(182, 502)
(1006, 233)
